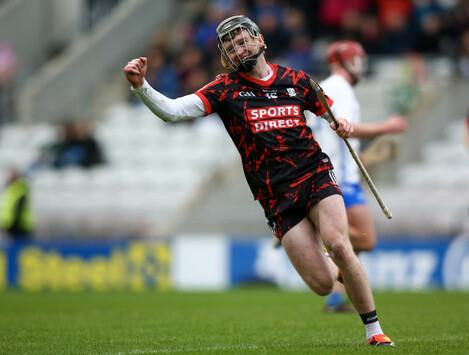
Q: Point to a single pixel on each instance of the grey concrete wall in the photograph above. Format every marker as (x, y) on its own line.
(34, 27)
(67, 84)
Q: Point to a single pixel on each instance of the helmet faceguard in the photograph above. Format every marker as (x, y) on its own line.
(227, 30)
(350, 55)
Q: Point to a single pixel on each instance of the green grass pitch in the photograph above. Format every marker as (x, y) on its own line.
(242, 321)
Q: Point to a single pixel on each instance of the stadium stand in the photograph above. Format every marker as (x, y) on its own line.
(152, 170)
(163, 178)
(440, 157)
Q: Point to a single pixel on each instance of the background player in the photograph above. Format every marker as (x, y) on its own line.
(262, 108)
(347, 63)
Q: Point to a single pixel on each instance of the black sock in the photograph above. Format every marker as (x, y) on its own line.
(369, 317)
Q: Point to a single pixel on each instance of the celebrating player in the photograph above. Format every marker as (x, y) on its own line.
(347, 61)
(262, 108)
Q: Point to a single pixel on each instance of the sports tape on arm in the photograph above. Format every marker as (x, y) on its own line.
(170, 110)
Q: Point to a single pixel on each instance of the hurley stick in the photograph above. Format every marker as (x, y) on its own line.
(365, 174)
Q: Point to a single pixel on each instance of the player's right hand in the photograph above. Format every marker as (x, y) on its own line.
(396, 124)
(135, 71)
(345, 128)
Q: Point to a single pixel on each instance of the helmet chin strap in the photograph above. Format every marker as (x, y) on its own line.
(249, 63)
(355, 79)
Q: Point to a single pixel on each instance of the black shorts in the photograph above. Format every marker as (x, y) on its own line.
(286, 210)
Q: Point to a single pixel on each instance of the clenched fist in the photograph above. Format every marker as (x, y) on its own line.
(345, 128)
(135, 71)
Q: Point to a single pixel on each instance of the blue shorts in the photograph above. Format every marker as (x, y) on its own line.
(353, 194)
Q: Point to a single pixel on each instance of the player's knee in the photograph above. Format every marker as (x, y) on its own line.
(338, 249)
(324, 289)
(341, 253)
(321, 286)
(368, 245)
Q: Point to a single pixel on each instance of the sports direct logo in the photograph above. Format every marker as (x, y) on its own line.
(278, 117)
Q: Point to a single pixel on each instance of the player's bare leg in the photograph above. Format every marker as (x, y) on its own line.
(303, 246)
(361, 228)
(330, 219)
(363, 238)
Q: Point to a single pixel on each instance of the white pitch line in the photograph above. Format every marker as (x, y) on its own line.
(192, 349)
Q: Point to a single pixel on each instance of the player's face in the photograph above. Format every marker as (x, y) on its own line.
(239, 44)
(359, 64)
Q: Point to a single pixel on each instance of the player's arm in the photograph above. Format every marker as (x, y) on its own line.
(394, 124)
(345, 128)
(170, 110)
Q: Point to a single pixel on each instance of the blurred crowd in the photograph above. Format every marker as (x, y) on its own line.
(185, 58)
(296, 33)
(75, 145)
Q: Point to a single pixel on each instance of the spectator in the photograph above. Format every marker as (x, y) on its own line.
(274, 33)
(190, 59)
(8, 68)
(310, 10)
(394, 17)
(97, 10)
(463, 58)
(203, 37)
(456, 19)
(16, 214)
(270, 15)
(161, 73)
(301, 52)
(294, 22)
(93, 152)
(405, 91)
(391, 11)
(271, 7)
(350, 24)
(331, 14)
(429, 26)
(75, 146)
(370, 33)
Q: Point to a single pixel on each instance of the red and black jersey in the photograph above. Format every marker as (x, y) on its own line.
(266, 123)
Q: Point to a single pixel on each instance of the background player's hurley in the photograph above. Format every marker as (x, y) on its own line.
(365, 174)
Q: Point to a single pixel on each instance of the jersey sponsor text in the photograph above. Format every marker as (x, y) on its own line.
(269, 125)
(276, 117)
(292, 111)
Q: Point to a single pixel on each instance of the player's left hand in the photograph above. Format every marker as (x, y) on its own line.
(345, 128)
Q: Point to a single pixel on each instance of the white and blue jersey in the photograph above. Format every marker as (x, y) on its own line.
(345, 168)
